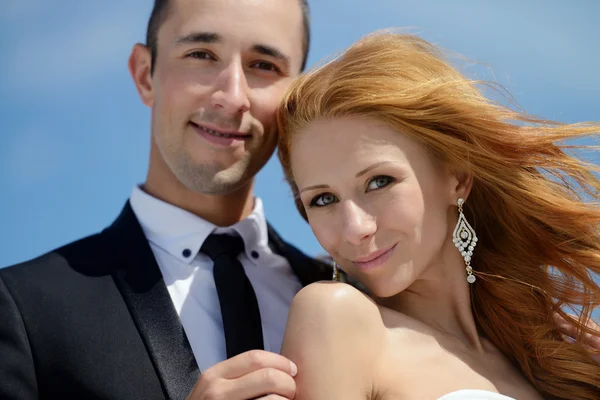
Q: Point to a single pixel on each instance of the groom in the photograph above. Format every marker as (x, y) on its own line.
(167, 301)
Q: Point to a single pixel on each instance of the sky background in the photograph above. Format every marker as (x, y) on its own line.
(75, 137)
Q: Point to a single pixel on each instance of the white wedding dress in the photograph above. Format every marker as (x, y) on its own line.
(474, 395)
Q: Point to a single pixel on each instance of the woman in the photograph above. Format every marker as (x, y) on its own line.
(464, 221)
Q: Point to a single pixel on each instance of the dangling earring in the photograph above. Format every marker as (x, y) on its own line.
(336, 272)
(465, 240)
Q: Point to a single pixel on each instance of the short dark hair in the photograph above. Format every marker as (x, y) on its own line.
(161, 10)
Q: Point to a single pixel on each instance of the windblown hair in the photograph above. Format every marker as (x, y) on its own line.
(533, 203)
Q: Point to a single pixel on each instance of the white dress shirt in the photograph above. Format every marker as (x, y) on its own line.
(175, 237)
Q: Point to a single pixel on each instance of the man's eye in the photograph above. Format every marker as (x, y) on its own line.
(379, 182)
(323, 200)
(201, 55)
(267, 66)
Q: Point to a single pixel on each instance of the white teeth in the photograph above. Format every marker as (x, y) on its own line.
(218, 134)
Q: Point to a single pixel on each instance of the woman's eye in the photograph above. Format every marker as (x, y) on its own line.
(379, 181)
(323, 200)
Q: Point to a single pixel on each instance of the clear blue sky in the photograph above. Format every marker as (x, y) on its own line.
(75, 137)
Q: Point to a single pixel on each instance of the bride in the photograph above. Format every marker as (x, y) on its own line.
(464, 221)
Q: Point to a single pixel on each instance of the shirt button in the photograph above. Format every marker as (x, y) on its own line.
(186, 253)
(254, 254)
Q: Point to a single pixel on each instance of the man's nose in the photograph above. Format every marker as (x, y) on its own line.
(231, 93)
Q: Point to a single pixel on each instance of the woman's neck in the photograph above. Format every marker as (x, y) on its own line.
(441, 299)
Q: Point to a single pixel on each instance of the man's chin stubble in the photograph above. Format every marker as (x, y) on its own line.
(213, 179)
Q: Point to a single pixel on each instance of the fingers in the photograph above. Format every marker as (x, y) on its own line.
(592, 341)
(570, 333)
(251, 361)
(565, 326)
(264, 382)
(593, 325)
(251, 375)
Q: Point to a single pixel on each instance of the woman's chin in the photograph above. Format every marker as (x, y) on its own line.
(384, 289)
(386, 283)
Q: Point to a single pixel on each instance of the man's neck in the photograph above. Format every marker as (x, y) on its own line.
(221, 210)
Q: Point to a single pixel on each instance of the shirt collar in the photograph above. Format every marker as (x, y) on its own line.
(182, 233)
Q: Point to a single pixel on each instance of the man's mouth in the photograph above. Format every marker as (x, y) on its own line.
(221, 134)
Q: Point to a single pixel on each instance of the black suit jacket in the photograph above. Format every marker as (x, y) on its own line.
(94, 320)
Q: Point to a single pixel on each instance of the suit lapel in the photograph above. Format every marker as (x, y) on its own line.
(140, 281)
(308, 270)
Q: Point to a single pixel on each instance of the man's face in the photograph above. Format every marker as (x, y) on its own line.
(221, 70)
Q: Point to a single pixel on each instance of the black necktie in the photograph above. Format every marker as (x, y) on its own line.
(239, 307)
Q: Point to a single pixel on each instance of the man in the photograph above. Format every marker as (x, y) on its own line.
(175, 294)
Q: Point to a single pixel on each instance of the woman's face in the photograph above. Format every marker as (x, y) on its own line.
(375, 200)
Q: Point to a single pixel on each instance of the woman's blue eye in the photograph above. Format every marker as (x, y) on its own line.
(323, 200)
(327, 199)
(379, 181)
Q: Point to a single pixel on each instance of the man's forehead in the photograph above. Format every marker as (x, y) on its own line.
(248, 16)
(274, 24)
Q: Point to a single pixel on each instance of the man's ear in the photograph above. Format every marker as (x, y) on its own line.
(140, 62)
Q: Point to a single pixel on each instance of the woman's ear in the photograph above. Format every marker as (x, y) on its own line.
(461, 183)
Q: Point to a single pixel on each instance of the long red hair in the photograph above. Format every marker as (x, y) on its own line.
(533, 203)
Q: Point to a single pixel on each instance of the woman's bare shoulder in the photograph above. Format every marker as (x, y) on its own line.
(336, 306)
(334, 330)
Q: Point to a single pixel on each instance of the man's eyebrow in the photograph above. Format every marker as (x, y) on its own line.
(199, 37)
(272, 52)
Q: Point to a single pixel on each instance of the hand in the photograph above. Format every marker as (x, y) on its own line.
(587, 339)
(255, 374)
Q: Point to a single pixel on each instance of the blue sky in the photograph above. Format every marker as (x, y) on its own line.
(75, 137)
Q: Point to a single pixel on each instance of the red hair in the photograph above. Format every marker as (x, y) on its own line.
(539, 247)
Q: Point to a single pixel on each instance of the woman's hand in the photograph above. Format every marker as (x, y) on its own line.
(570, 334)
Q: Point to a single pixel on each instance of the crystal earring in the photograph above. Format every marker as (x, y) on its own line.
(465, 240)
(336, 272)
